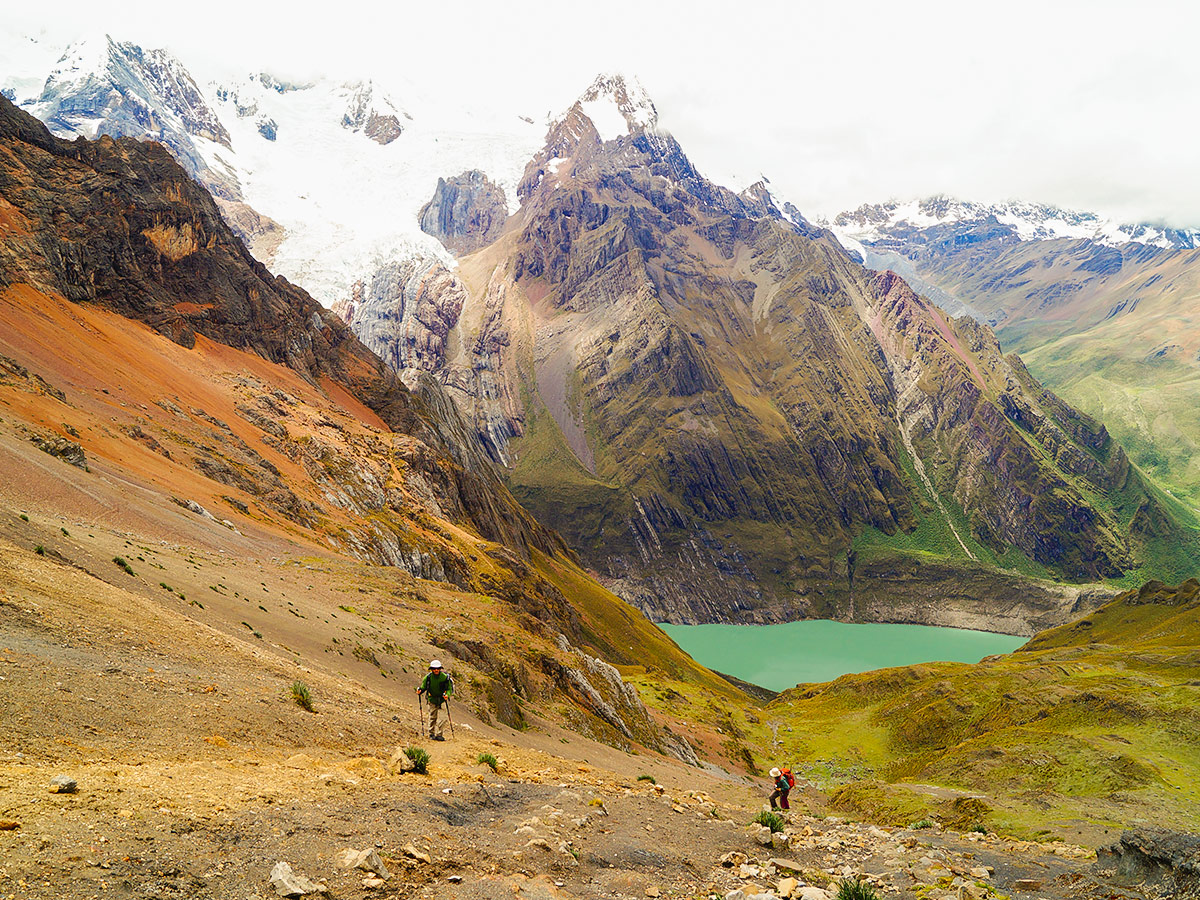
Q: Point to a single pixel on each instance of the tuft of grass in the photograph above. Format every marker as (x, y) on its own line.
(487, 759)
(853, 889)
(774, 821)
(302, 695)
(123, 564)
(39, 550)
(649, 778)
(24, 518)
(420, 759)
(65, 532)
(923, 823)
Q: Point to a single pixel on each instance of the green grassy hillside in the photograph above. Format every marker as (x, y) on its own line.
(1090, 725)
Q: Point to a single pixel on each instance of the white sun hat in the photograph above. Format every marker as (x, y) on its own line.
(435, 664)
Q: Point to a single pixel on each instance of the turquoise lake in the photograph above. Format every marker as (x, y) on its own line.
(782, 656)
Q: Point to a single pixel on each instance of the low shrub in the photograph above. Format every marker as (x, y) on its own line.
(488, 760)
(774, 821)
(420, 759)
(302, 695)
(853, 889)
(649, 778)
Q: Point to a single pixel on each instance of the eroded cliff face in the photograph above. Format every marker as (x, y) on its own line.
(731, 419)
(466, 212)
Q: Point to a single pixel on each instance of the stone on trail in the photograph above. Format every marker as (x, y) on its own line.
(735, 895)
(780, 840)
(367, 860)
(292, 884)
(762, 834)
(63, 784)
(785, 864)
(1026, 885)
(373, 882)
(786, 886)
(413, 853)
(9, 825)
(733, 858)
(809, 892)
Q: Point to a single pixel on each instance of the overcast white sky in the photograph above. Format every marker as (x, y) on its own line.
(1091, 105)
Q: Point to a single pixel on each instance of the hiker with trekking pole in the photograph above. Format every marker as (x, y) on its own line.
(783, 782)
(439, 686)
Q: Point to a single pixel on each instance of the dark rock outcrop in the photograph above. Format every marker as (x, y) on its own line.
(466, 212)
(1168, 860)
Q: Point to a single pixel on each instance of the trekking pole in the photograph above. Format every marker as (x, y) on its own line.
(421, 713)
(449, 718)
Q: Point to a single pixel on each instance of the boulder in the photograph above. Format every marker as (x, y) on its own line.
(63, 784)
(292, 884)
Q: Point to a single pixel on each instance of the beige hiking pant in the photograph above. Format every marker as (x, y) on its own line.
(437, 720)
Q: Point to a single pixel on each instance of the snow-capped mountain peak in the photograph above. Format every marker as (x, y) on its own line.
(102, 86)
(617, 105)
(873, 223)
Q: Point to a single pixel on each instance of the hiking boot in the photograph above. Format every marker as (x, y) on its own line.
(439, 738)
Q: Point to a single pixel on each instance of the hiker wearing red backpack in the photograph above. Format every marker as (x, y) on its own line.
(784, 782)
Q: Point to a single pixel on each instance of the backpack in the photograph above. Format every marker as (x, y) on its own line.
(791, 779)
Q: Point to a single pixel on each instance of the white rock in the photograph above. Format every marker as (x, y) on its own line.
(292, 884)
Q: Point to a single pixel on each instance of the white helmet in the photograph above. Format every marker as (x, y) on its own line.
(435, 664)
(775, 773)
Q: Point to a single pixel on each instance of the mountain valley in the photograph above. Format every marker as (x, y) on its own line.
(1104, 316)
(512, 418)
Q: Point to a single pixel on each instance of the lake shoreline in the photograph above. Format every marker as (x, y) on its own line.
(777, 657)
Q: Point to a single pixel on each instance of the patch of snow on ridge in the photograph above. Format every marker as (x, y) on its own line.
(617, 106)
(608, 119)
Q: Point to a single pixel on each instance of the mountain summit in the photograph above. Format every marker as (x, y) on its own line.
(730, 418)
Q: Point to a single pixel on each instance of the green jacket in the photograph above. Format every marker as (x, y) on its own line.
(438, 685)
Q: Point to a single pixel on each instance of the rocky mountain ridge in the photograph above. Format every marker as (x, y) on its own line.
(1104, 315)
(716, 405)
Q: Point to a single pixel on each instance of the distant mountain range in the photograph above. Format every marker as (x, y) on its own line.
(1106, 314)
(703, 391)
(922, 221)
